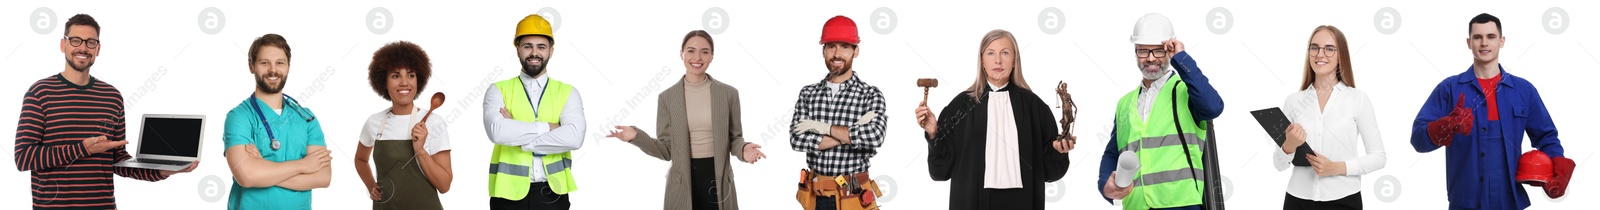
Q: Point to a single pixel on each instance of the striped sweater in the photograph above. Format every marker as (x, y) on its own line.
(56, 116)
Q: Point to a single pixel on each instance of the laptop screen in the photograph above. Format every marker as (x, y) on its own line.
(170, 136)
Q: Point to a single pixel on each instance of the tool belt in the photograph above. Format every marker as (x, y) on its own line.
(850, 192)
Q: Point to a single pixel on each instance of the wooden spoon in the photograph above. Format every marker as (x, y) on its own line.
(438, 99)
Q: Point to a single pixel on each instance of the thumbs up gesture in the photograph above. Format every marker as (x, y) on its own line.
(1459, 121)
(1463, 116)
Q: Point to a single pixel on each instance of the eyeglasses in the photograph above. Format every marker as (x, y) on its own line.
(1147, 53)
(75, 41)
(1318, 51)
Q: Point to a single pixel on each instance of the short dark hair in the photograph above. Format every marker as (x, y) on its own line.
(81, 20)
(398, 55)
(698, 33)
(273, 40)
(1486, 18)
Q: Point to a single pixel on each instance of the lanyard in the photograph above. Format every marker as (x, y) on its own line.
(530, 96)
(534, 103)
(263, 117)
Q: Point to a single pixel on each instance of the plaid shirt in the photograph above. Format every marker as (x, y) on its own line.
(842, 108)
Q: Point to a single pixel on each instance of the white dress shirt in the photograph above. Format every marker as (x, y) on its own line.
(1332, 133)
(1001, 168)
(536, 137)
(1147, 96)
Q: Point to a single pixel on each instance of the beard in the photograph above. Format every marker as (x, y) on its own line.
(533, 70)
(1165, 67)
(75, 66)
(261, 83)
(840, 70)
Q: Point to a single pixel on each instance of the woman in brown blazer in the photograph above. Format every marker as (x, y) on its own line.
(698, 127)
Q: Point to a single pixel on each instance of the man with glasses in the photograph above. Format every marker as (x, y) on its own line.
(1480, 117)
(72, 128)
(1167, 140)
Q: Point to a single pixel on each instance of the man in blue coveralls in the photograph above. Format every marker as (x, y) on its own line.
(1481, 115)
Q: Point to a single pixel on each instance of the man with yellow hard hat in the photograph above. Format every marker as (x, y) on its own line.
(535, 123)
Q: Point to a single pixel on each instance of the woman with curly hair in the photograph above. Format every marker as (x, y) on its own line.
(413, 158)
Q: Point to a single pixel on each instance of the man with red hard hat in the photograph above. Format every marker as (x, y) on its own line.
(1479, 117)
(839, 123)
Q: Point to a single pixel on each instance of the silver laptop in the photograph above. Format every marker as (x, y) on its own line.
(168, 142)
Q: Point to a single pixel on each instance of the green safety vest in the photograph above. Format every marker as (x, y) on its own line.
(1166, 179)
(510, 166)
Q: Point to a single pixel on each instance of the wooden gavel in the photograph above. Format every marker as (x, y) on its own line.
(926, 83)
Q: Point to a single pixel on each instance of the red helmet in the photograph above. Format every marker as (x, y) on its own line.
(1534, 168)
(840, 29)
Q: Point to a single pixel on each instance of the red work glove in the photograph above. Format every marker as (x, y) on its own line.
(1563, 171)
(1464, 117)
(1458, 122)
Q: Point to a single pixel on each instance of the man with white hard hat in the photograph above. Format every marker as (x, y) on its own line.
(1163, 123)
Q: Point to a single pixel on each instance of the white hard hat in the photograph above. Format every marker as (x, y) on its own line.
(1151, 29)
(1127, 167)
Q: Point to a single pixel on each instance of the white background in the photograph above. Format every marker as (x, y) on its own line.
(622, 52)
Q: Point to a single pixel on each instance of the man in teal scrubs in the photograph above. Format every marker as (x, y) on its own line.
(275, 146)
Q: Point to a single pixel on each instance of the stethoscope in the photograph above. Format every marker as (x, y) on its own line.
(290, 101)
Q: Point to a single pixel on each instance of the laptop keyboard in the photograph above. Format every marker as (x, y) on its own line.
(158, 161)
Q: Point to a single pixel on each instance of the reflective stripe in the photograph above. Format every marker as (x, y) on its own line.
(1167, 176)
(558, 166)
(1158, 142)
(509, 169)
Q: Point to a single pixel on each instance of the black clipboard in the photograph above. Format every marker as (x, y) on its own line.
(1275, 122)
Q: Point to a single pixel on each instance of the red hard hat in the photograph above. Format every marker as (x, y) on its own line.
(840, 29)
(1534, 168)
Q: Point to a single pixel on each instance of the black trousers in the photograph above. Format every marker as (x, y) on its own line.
(1352, 202)
(539, 198)
(703, 173)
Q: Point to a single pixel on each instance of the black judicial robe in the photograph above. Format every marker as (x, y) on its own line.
(957, 153)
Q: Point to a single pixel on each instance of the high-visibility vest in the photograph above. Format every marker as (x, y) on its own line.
(510, 166)
(1166, 178)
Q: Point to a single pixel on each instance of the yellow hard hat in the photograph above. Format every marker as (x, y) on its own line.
(533, 25)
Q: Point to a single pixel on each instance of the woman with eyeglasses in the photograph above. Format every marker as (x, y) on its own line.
(1328, 114)
(698, 127)
(411, 150)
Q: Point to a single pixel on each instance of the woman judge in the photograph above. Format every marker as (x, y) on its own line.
(996, 142)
